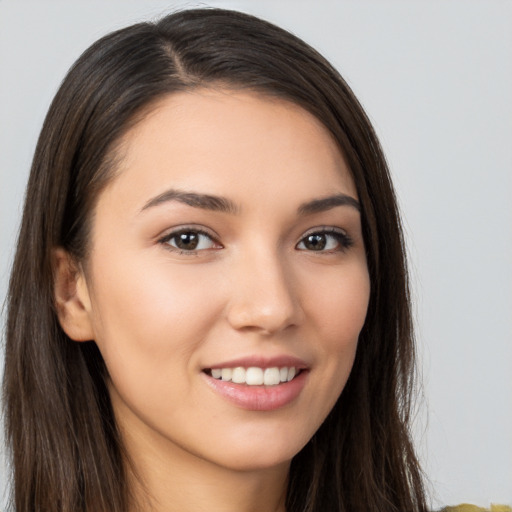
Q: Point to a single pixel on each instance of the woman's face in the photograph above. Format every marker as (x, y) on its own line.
(228, 245)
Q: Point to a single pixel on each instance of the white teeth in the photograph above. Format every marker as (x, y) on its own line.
(226, 373)
(238, 376)
(271, 377)
(255, 376)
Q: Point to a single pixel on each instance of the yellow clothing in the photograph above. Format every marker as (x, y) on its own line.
(472, 508)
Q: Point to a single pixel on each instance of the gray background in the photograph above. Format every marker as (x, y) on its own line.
(436, 79)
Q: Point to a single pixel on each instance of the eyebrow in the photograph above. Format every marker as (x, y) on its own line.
(203, 201)
(224, 205)
(327, 203)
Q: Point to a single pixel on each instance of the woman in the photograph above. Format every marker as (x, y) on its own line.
(208, 307)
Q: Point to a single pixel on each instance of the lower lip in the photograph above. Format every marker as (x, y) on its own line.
(259, 398)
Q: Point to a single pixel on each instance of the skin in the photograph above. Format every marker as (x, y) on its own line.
(160, 315)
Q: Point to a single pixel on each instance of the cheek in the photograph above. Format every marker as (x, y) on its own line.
(150, 322)
(150, 313)
(338, 306)
(340, 303)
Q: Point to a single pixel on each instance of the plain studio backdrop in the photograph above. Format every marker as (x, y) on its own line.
(436, 79)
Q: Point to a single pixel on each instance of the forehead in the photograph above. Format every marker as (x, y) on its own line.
(222, 141)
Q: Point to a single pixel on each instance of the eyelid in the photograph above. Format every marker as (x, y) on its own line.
(324, 229)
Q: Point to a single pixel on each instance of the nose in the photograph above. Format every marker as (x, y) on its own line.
(264, 295)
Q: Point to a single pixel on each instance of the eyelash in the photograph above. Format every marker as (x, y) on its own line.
(343, 240)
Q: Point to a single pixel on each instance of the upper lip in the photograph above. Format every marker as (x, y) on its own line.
(260, 361)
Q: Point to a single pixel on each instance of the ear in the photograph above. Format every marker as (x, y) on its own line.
(71, 297)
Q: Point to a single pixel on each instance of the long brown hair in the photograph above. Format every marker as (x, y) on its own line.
(66, 451)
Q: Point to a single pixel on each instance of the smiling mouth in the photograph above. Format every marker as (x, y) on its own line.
(255, 376)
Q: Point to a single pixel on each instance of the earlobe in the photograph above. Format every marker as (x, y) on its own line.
(71, 295)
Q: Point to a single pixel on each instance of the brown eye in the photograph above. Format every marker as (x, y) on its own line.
(189, 240)
(325, 241)
(315, 242)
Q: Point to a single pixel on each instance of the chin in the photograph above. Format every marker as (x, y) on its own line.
(249, 461)
(260, 451)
